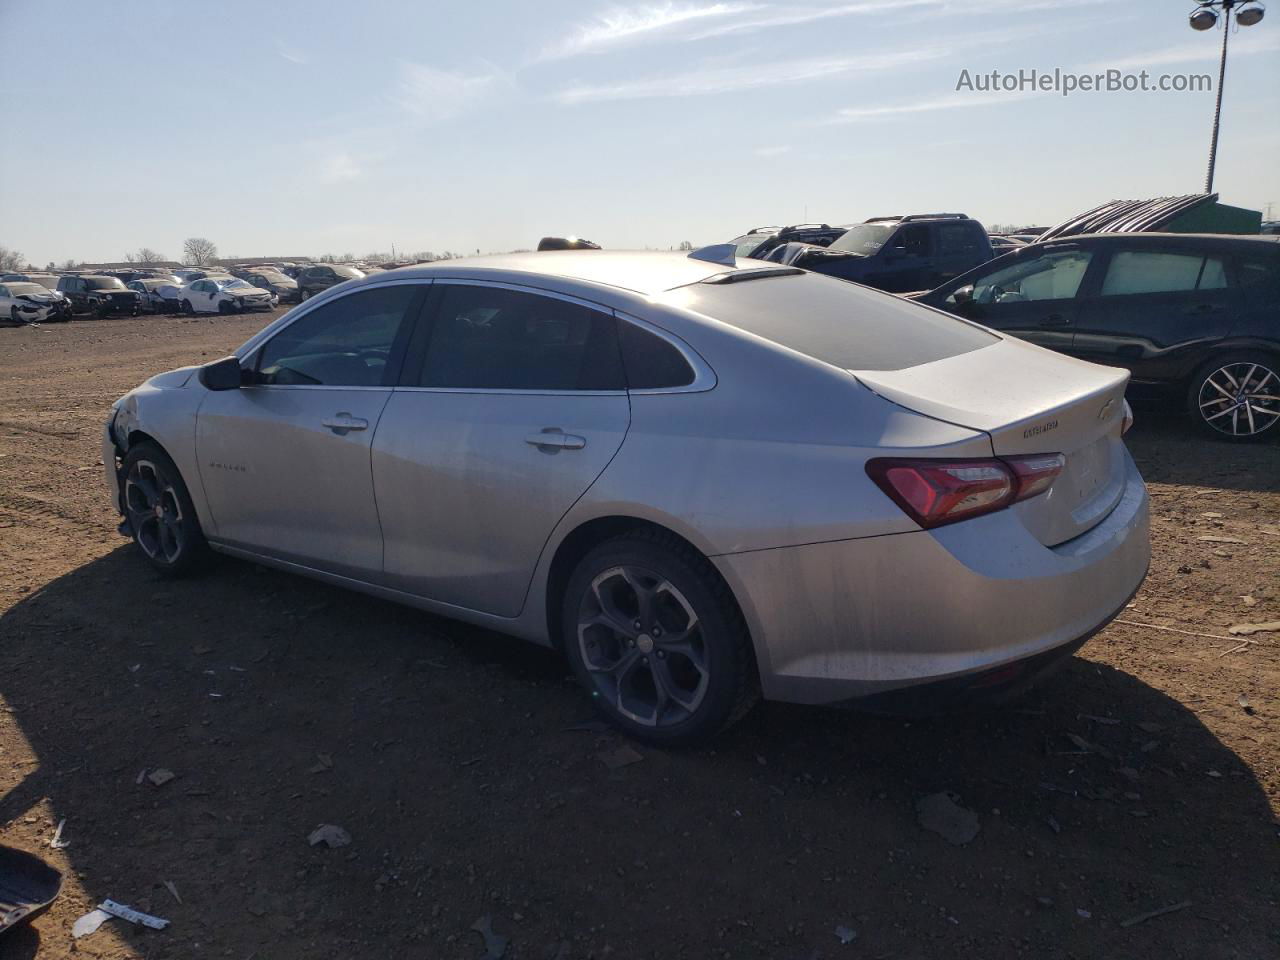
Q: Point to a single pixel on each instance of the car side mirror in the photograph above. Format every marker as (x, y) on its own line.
(963, 295)
(224, 374)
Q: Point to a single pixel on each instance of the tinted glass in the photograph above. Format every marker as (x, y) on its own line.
(747, 244)
(25, 289)
(865, 239)
(490, 338)
(958, 238)
(1140, 271)
(1053, 276)
(839, 323)
(346, 342)
(651, 362)
(104, 283)
(1258, 273)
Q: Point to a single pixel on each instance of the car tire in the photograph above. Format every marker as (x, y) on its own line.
(13, 315)
(224, 307)
(655, 637)
(302, 294)
(185, 307)
(1236, 397)
(159, 513)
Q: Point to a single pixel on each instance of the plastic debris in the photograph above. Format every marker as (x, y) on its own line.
(1151, 914)
(846, 934)
(941, 813)
(132, 915)
(495, 945)
(173, 889)
(160, 776)
(622, 757)
(89, 923)
(330, 835)
(1245, 629)
(1216, 539)
(56, 840)
(324, 762)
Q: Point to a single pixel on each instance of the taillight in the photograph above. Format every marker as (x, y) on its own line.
(937, 492)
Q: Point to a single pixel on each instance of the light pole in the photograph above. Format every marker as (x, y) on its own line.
(1204, 17)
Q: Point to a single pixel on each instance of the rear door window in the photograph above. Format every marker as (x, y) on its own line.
(494, 338)
(1141, 271)
(836, 322)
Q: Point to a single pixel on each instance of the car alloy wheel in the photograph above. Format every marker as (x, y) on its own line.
(1240, 399)
(155, 513)
(642, 643)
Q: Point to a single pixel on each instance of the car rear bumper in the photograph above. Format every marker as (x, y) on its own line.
(860, 619)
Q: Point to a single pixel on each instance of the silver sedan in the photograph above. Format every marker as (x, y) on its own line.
(704, 480)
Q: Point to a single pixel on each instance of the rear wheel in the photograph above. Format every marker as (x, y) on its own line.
(1236, 397)
(161, 517)
(185, 307)
(656, 638)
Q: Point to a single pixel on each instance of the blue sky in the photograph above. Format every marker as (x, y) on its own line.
(304, 128)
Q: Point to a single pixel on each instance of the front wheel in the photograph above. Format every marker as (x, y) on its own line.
(654, 635)
(158, 508)
(1236, 397)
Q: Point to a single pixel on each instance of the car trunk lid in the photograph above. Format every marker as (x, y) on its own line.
(1029, 400)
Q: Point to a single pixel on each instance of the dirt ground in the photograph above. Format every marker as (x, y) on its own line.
(1145, 775)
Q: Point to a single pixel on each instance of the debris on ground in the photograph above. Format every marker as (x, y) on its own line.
(941, 813)
(1152, 914)
(173, 889)
(1054, 825)
(89, 923)
(588, 726)
(495, 945)
(1245, 629)
(1147, 726)
(846, 934)
(324, 762)
(132, 915)
(1210, 538)
(330, 835)
(622, 757)
(160, 776)
(1083, 914)
(56, 840)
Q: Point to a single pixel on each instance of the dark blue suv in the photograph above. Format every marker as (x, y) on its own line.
(899, 254)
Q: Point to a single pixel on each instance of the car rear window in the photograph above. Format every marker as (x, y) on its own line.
(834, 321)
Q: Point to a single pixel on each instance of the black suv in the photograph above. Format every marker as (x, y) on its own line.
(1194, 315)
(101, 295)
(759, 242)
(900, 254)
(322, 276)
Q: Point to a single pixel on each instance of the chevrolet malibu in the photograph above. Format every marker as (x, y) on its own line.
(704, 480)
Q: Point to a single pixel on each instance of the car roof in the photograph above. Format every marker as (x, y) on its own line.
(1198, 239)
(643, 272)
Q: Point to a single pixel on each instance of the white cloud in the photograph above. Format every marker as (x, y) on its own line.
(436, 95)
(712, 80)
(954, 102)
(629, 24)
(771, 16)
(338, 168)
(292, 54)
(1207, 51)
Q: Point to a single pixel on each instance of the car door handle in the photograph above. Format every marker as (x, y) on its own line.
(557, 439)
(1054, 320)
(344, 422)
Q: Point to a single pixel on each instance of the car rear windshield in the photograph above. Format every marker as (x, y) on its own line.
(104, 283)
(836, 322)
(350, 272)
(864, 239)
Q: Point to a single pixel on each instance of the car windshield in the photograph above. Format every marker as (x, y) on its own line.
(235, 285)
(17, 289)
(49, 283)
(747, 243)
(271, 276)
(351, 273)
(865, 239)
(838, 323)
(104, 283)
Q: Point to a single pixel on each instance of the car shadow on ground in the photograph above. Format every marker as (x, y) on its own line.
(1168, 448)
(467, 771)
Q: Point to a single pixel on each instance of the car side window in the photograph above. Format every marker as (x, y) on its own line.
(651, 362)
(4, 291)
(491, 338)
(912, 239)
(956, 238)
(1141, 271)
(1256, 273)
(344, 343)
(1051, 276)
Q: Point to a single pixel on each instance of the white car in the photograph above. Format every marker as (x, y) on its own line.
(23, 301)
(224, 295)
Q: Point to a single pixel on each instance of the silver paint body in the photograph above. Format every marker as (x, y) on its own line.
(760, 464)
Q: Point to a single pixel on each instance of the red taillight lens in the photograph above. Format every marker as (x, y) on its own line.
(1035, 473)
(937, 492)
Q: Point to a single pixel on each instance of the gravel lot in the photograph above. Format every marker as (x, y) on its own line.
(1145, 775)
